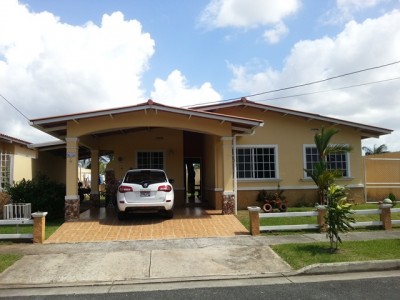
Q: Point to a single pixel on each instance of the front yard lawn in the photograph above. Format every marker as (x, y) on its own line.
(302, 255)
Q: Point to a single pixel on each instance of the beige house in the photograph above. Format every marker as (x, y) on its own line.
(241, 147)
(15, 160)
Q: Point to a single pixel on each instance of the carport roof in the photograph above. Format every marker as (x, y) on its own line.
(57, 126)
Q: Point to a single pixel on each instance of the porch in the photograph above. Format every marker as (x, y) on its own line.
(101, 224)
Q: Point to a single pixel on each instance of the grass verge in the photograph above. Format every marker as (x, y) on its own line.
(302, 255)
(7, 260)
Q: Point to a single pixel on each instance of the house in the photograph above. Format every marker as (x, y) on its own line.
(15, 160)
(241, 147)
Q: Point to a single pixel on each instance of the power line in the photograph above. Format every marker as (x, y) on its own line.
(305, 84)
(330, 90)
(13, 106)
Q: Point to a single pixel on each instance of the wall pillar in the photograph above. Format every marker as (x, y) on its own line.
(321, 209)
(72, 197)
(39, 226)
(94, 193)
(386, 217)
(254, 217)
(228, 196)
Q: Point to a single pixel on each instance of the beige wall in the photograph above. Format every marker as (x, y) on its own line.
(51, 166)
(382, 176)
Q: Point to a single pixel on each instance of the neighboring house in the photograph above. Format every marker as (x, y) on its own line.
(241, 147)
(382, 176)
(15, 160)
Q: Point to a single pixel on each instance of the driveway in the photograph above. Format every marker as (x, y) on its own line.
(101, 224)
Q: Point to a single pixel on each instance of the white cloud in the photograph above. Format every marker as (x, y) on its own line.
(275, 34)
(250, 14)
(360, 45)
(346, 9)
(49, 68)
(175, 91)
(355, 5)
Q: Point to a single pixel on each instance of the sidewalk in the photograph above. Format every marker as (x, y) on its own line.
(127, 262)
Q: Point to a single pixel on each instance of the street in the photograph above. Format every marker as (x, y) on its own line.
(380, 285)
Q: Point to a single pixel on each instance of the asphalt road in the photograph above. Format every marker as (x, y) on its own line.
(349, 287)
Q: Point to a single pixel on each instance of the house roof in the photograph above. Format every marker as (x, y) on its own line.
(9, 139)
(366, 131)
(57, 126)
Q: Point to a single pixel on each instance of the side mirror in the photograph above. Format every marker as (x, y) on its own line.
(171, 181)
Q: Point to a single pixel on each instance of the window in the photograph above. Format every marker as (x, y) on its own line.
(257, 162)
(335, 161)
(5, 170)
(150, 160)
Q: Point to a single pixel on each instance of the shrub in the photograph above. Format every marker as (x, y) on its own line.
(43, 193)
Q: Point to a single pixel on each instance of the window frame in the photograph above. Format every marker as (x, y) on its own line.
(252, 147)
(346, 154)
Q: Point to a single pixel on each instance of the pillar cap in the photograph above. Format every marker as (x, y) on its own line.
(253, 208)
(385, 205)
(39, 214)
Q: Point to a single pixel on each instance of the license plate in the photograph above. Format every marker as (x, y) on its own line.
(144, 193)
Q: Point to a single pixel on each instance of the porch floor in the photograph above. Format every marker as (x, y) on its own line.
(101, 224)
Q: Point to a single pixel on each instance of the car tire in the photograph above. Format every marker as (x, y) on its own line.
(121, 215)
(169, 214)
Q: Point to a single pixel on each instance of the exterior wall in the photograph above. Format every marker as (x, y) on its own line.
(382, 172)
(290, 134)
(50, 165)
(23, 158)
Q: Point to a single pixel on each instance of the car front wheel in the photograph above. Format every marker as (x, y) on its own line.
(169, 214)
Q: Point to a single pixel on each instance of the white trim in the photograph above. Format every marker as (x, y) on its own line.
(263, 146)
(71, 197)
(294, 187)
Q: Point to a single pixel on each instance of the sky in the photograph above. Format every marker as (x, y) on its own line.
(68, 56)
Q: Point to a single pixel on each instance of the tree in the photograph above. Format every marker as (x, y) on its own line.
(376, 150)
(322, 175)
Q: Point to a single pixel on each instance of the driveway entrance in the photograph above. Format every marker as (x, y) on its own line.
(101, 224)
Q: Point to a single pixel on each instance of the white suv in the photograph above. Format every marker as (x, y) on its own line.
(145, 189)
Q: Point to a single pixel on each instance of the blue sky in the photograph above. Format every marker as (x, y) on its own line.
(69, 56)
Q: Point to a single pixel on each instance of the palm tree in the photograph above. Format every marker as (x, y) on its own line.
(321, 175)
(376, 150)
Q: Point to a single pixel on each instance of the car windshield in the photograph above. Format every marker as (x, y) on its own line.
(150, 176)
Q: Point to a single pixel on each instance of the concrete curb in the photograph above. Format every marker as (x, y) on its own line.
(354, 266)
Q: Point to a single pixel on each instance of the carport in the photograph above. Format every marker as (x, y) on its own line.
(149, 135)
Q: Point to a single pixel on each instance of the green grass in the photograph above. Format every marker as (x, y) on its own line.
(302, 255)
(51, 227)
(7, 260)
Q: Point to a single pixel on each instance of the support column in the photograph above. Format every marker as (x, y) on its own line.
(72, 197)
(228, 196)
(254, 216)
(385, 216)
(39, 226)
(94, 193)
(321, 209)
